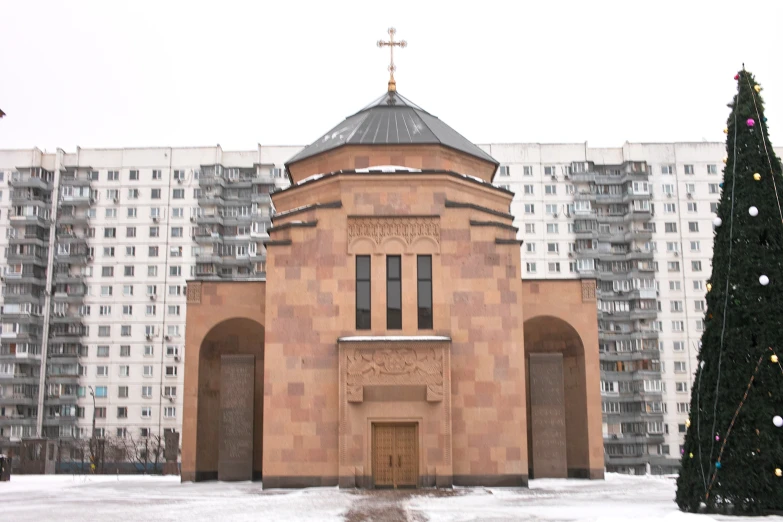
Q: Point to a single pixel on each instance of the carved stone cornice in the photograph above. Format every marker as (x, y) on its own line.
(407, 228)
(393, 366)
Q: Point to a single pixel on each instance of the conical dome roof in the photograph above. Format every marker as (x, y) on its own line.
(392, 119)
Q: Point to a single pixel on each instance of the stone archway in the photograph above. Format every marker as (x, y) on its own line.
(231, 400)
(224, 334)
(557, 421)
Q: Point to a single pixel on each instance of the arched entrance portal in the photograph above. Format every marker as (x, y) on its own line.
(557, 420)
(230, 401)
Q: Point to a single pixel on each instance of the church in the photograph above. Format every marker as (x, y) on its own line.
(393, 342)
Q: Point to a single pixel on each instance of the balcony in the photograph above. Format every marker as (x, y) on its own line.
(18, 399)
(75, 180)
(77, 200)
(638, 235)
(19, 378)
(646, 255)
(211, 200)
(71, 258)
(644, 314)
(68, 278)
(19, 180)
(74, 220)
(209, 219)
(17, 420)
(18, 220)
(610, 218)
(211, 181)
(67, 318)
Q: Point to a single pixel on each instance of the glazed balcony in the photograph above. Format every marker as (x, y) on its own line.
(24, 180)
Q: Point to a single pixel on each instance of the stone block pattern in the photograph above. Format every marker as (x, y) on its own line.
(310, 302)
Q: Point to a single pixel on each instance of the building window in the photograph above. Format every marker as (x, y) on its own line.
(424, 279)
(504, 171)
(171, 371)
(712, 169)
(530, 247)
(122, 392)
(146, 412)
(714, 188)
(681, 387)
(125, 350)
(124, 370)
(147, 371)
(155, 193)
(553, 248)
(110, 232)
(530, 228)
(714, 208)
(689, 169)
(695, 246)
(528, 189)
(129, 270)
(102, 351)
(678, 346)
(696, 266)
(693, 226)
(102, 371)
(104, 331)
(149, 350)
(550, 190)
(554, 267)
(676, 306)
(393, 293)
(130, 232)
(530, 268)
(169, 412)
(552, 228)
(178, 194)
(146, 392)
(692, 207)
(667, 169)
(527, 170)
(699, 305)
(670, 227)
(130, 251)
(125, 330)
(530, 208)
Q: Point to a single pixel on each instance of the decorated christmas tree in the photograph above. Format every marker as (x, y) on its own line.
(733, 452)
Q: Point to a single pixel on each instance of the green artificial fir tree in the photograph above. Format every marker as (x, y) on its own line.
(733, 450)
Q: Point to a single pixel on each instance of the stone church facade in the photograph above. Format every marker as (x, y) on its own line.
(393, 342)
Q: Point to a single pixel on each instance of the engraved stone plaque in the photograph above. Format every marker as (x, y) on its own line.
(235, 452)
(547, 414)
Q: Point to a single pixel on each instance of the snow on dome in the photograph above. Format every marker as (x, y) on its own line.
(388, 168)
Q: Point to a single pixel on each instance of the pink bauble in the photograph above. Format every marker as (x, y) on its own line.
(751, 122)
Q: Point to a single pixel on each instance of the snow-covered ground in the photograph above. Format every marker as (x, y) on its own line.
(137, 498)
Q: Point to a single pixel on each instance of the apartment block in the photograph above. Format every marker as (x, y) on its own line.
(638, 218)
(98, 245)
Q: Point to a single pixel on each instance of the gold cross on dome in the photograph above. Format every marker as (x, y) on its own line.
(391, 44)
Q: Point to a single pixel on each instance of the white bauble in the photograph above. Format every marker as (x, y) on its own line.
(717, 222)
(764, 280)
(777, 420)
(753, 211)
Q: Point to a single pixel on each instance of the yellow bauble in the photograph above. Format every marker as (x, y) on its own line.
(773, 358)
(758, 88)
(709, 287)
(778, 472)
(725, 160)
(725, 130)
(757, 176)
(687, 423)
(690, 455)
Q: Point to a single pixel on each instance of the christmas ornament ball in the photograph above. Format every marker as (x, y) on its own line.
(751, 122)
(718, 465)
(773, 358)
(757, 176)
(687, 423)
(778, 472)
(709, 287)
(725, 130)
(777, 420)
(725, 160)
(690, 455)
(753, 211)
(764, 280)
(736, 76)
(717, 221)
(757, 88)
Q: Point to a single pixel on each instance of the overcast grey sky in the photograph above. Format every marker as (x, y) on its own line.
(173, 73)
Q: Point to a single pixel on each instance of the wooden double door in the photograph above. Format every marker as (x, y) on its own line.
(395, 455)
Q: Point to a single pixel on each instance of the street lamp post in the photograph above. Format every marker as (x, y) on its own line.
(92, 437)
